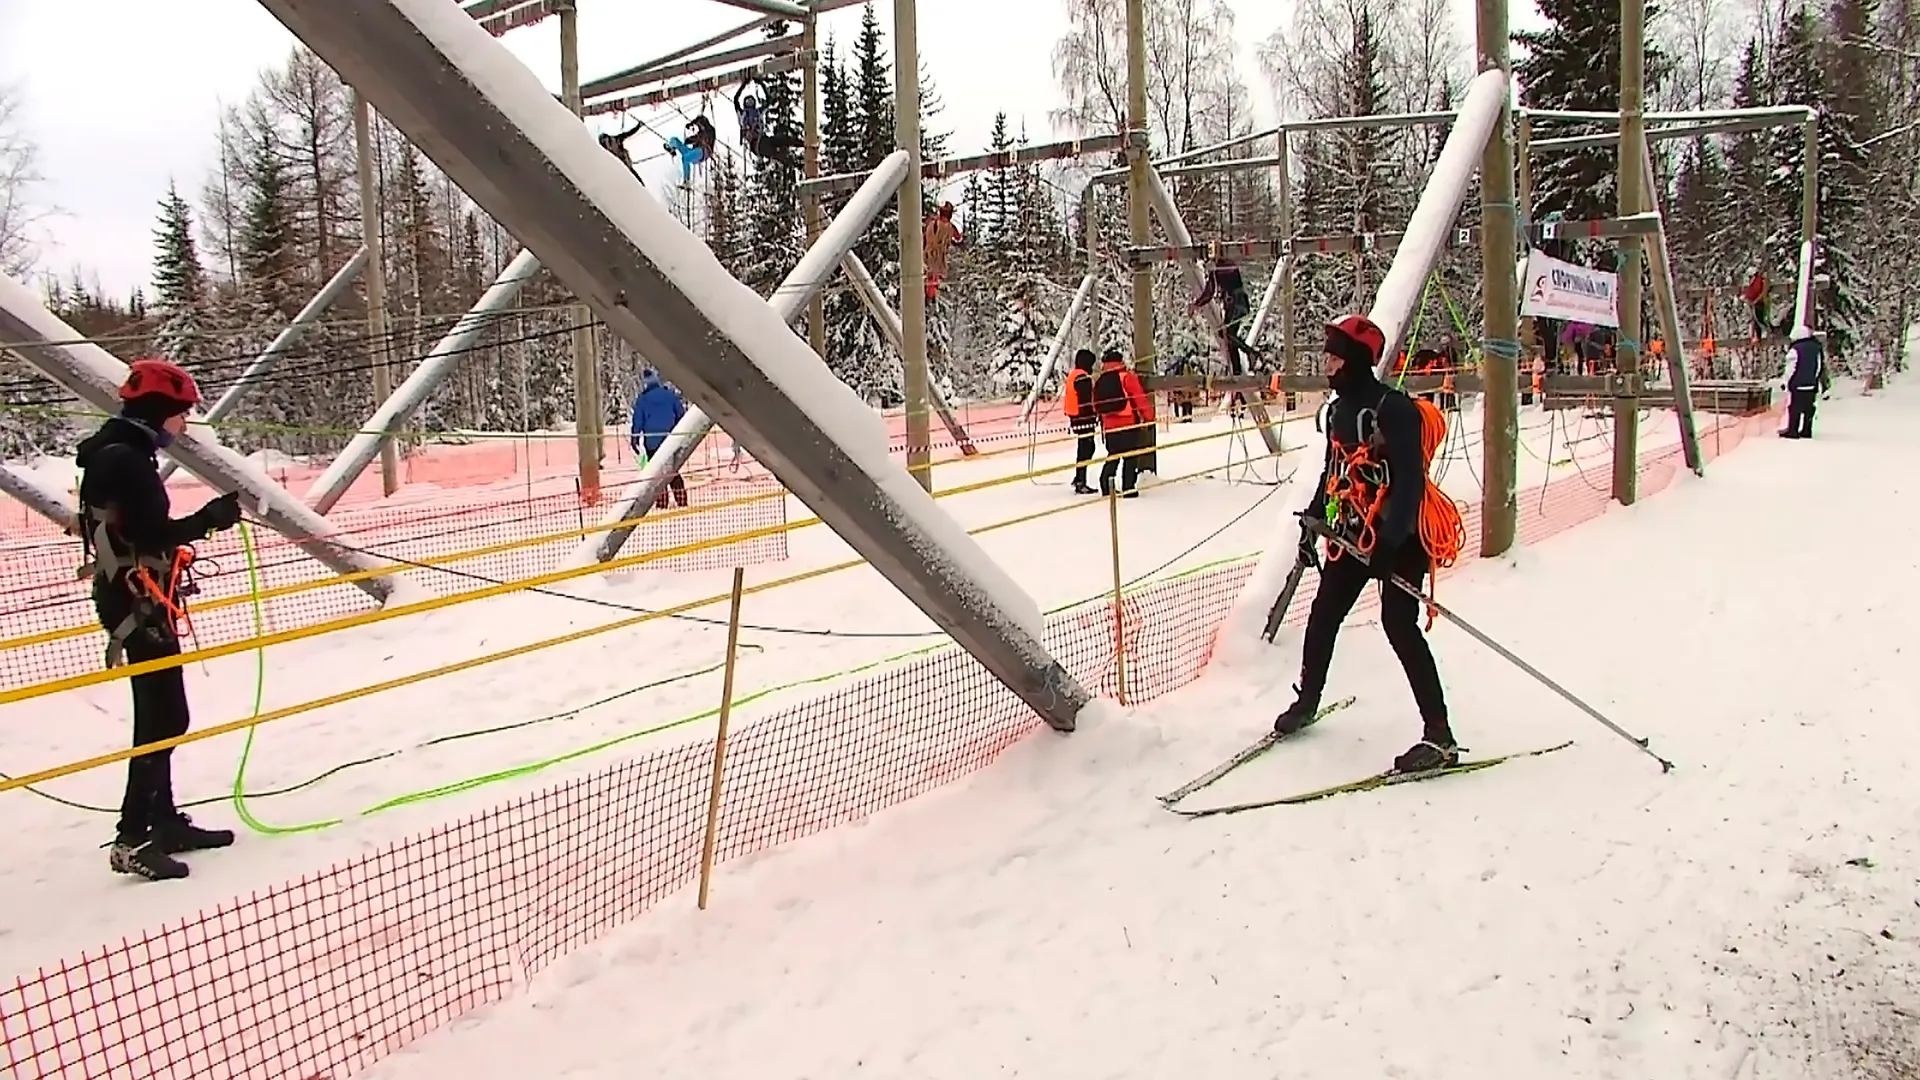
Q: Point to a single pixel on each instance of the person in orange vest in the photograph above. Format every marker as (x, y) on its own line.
(1125, 412)
(1076, 400)
(1372, 490)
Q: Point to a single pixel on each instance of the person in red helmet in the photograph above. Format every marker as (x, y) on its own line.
(136, 552)
(1374, 481)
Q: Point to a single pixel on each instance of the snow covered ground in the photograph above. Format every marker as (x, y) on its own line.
(1752, 915)
(664, 671)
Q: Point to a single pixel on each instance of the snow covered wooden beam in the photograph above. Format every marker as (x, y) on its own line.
(1182, 164)
(946, 167)
(500, 18)
(647, 76)
(41, 498)
(487, 122)
(94, 375)
(785, 9)
(792, 61)
(1611, 139)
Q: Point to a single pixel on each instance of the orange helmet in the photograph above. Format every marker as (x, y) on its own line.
(153, 376)
(1360, 331)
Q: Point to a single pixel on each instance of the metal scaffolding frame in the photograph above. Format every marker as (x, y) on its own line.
(487, 122)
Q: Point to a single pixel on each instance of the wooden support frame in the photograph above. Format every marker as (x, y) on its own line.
(779, 65)
(947, 167)
(1645, 224)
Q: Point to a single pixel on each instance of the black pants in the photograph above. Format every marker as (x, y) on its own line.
(1232, 330)
(1083, 451)
(1119, 441)
(679, 489)
(159, 712)
(1800, 406)
(1341, 582)
(776, 148)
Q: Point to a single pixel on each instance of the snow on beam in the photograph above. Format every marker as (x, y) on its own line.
(1786, 114)
(778, 65)
(1000, 159)
(888, 319)
(647, 76)
(790, 298)
(783, 8)
(90, 372)
(505, 19)
(40, 498)
(487, 122)
(1176, 227)
(1059, 346)
(1175, 165)
(1611, 139)
(328, 295)
(440, 362)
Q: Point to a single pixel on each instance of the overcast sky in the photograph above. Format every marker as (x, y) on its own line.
(121, 95)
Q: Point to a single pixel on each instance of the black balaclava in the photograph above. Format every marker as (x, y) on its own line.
(1083, 360)
(1114, 356)
(151, 411)
(1356, 372)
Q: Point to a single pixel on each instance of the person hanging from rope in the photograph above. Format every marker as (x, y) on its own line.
(938, 238)
(1754, 295)
(1376, 493)
(615, 143)
(695, 147)
(1807, 380)
(1076, 400)
(139, 556)
(750, 103)
(1225, 281)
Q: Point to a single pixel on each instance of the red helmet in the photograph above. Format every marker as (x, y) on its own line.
(152, 375)
(946, 209)
(1362, 330)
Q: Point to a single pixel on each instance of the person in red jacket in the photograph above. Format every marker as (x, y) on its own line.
(1755, 297)
(1125, 412)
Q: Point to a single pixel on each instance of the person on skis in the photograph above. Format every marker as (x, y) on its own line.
(1370, 493)
(137, 556)
(1076, 400)
(750, 104)
(937, 240)
(1807, 379)
(655, 412)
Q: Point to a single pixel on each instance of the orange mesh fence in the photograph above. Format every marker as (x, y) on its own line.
(324, 975)
(43, 593)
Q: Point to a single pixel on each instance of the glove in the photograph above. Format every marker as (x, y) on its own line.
(637, 444)
(222, 513)
(1309, 547)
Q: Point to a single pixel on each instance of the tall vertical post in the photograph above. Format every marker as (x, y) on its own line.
(1523, 198)
(1809, 215)
(810, 204)
(1627, 344)
(1289, 350)
(1138, 219)
(1090, 204)
(589, 421)
(376, 282)
(1500, 348)
(913, 257)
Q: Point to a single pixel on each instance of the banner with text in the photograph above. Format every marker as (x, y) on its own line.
(1560, 290)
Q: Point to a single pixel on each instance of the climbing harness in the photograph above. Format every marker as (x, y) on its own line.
(159, 585)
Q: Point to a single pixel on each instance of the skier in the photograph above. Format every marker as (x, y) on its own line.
(655, 412)
(1807, 379)
(754, 133)
(1125, 413)
(1076, 400)
(937, 240)
(137, 555)
(1375, 482)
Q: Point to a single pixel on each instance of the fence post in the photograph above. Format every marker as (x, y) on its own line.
(720, 738)
(1119, 611)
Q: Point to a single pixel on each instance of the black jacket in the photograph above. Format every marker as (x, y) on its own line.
(120, 480)
(1392, 419)
(1808, 366)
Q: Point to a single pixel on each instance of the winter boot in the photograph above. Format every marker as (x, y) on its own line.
(680, 497)
(1080, 488)
(144, 858)
(1427, 755)
(1789, 433)
(181, 835)
(1304, 710)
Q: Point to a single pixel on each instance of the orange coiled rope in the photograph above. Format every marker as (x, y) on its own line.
(1442, 530)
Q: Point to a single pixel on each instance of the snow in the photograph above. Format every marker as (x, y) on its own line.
(733, 308)
(1578, 915)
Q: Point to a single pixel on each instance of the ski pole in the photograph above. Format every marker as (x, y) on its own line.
(1501, 650)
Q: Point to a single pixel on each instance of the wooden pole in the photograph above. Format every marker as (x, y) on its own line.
(913, 262)
(588, 422)
(375, 280)
(1138, 210)
(810, 204)
(1500, 351)
(720, 737)
(1809, 212)
(1627, 346)
(1119, 597)
(1090, 198)
(1289, 349)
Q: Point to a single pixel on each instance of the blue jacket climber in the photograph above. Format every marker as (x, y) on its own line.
(655, 412)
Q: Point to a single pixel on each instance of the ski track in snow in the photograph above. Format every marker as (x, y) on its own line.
(1575, 915)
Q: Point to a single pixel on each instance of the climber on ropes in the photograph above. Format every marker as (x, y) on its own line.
(750, 103)
(1755, 297)
(1376, 494)
(1076, 400)
(693, 148)
(1225, 281)
(615, 143)
(656, 410)
(937, 240)
(139, 557)
(1807, 379)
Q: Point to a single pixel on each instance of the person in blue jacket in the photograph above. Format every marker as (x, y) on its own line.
(658, 408)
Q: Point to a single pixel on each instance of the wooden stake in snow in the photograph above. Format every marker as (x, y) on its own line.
(720, 737)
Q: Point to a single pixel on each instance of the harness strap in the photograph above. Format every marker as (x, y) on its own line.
(157, 584)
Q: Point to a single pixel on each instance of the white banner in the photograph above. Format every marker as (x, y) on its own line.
(1552, 289)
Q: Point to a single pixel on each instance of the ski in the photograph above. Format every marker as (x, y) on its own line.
(1378, 780)
(1253, 750)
